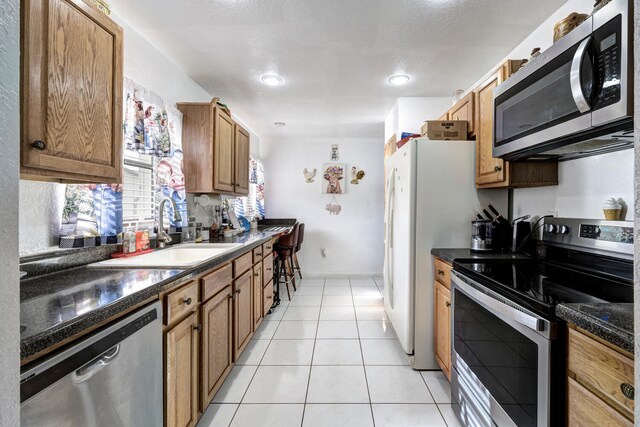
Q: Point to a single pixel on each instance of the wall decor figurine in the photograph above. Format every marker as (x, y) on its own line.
(356, 176)
(333, 174)
(333, 207)
(334, 153)
(308, 176)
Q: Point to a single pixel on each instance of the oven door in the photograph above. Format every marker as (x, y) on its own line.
(500, 357)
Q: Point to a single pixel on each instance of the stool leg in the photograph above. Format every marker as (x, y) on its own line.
(283, 269)
(297, 264)
(292, 274)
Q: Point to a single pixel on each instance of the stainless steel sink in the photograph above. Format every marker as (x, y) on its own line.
(179, 256)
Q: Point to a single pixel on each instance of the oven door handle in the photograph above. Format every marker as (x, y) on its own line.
(531, 322)
(576, 80)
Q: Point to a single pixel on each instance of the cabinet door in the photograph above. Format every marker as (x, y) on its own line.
(464, 110)
(71, 92)
(242, 148)
(442, 327)
(586, 409)
(181, 392)
(217, 344)
(242, 313)
(257, 295)
(223, 149)
(489, 170)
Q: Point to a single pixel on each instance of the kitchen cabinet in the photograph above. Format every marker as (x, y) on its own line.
(241, 165)
(257, 295)
(242, 313)
(181, 373)
(217, 343)
(464, 110)
(71, 105)
(442, 316)
(215, 149)
(600, 381)
(492, 172)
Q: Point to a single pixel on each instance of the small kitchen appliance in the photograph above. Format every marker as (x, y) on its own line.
(481, 235)
(508, 351)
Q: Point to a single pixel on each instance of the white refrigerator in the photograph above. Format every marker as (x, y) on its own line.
(430, 202)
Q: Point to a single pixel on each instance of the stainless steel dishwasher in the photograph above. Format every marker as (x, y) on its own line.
(112, 378)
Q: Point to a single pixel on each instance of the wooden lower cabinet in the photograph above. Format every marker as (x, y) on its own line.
(242, 313)
(586, 409)
(181, 373)
(217, 343)
(442, 327)
(267, 301)
(257, 295)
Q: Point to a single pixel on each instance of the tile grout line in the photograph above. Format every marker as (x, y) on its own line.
(366, 378)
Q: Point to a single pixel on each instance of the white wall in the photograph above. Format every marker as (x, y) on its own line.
(409, 113)
(353, 239)
(41, 202)
(9, 161)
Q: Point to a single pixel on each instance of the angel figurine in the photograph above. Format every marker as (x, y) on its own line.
(309, 175)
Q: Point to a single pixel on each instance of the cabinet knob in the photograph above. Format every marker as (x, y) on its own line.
(497, 168)
(269, 297)
(448, 304)
(187, 301)
(256, 274)
(230, 296)
(198, 327)
(268, 269)
(38, 144)
(628, 390)
(440, 272)
(238, 291)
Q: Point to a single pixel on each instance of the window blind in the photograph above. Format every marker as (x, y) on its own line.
(139, 190)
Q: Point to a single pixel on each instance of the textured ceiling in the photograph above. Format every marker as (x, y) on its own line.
(335, 55)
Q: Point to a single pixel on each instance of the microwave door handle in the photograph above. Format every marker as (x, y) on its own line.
(576, 80)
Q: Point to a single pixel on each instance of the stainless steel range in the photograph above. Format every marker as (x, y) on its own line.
(508, 352)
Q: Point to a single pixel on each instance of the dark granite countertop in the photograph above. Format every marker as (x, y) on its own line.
(459, 254)
(62, 304)
(613, 322)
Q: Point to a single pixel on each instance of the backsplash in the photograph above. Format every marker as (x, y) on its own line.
(39, 216)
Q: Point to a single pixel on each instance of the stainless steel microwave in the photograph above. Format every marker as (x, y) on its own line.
(576, 98)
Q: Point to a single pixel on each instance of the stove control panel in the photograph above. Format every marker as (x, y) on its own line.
(591, 235)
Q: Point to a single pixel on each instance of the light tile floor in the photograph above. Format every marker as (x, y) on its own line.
(329, 358)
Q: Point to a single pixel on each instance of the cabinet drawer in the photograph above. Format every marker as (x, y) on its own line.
(214, 282)
(258, 254)
(586, 409)
(267, 296)
(267, 269)
(267, 248)
(442, 272)
(181, 302)
(242, 264)
(601, 370)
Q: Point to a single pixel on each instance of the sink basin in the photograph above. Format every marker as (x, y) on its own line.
(180, 256)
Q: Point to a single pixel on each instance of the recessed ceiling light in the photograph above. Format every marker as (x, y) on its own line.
(399, 80)
(272, 80)
(280, 124)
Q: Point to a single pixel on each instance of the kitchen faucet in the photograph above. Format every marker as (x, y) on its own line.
(163, 237)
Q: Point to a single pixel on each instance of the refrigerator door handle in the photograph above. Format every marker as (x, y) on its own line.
(389, 235)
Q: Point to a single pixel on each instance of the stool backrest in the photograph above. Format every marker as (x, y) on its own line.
(290, 240)
(300, 236)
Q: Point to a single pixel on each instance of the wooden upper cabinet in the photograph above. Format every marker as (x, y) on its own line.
(242, 150)
(492, 172)
(209, 148)
(464, 110)
(71, 88)
(224, 153)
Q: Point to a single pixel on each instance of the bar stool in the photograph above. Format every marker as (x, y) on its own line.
(285, 248)
(296, 264)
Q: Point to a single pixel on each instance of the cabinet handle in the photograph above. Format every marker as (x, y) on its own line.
(497, 169)
(268, 269)
(230, 296)
(38, 144)
(440, 272)
(448, 304)
(256, 274)
(187, 301)
(198, 327)
(238, 291)
(259, 254)
(269, 297)
(628, 390)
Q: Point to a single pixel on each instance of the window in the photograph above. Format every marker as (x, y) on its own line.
(139, 189)
(253, 204)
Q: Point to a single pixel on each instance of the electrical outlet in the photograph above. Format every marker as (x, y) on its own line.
(552, 213)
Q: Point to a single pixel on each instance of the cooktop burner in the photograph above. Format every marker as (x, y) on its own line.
(540, 286)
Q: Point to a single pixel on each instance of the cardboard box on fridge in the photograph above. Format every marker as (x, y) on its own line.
(442, 130)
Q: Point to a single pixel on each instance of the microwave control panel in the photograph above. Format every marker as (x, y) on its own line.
(607, 53)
